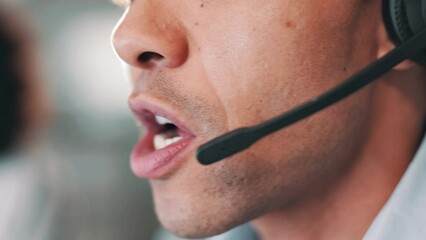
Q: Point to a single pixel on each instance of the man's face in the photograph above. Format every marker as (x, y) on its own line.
(221, 65)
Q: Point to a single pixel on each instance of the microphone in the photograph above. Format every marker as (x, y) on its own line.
(240, 139)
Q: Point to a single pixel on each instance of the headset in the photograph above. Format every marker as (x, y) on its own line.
(405, 22)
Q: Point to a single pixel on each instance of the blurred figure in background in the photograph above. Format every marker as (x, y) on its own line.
(26, 204)
(72, 181)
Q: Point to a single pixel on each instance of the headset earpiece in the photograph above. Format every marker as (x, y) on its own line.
(403, 19)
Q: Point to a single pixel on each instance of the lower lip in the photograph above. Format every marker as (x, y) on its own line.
(146, 162)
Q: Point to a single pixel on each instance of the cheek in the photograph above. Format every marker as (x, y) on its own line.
(232, 52)
(264, 63)
(311, 155)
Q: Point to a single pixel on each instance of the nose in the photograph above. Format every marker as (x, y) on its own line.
(148, 37)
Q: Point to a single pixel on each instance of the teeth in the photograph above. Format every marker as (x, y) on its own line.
(162, 121)
(161, 141)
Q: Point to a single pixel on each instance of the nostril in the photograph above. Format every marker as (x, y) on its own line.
(147, 57)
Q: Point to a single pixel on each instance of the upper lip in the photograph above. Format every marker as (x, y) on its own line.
(145, 109)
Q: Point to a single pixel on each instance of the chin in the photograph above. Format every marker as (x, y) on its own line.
(197, 219)
(188, 228)
(199, 202)
(193, 225)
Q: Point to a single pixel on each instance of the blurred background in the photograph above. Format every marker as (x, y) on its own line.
(91, 132)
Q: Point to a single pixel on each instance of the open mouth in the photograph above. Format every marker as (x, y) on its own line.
(159, 150)
(167, 134)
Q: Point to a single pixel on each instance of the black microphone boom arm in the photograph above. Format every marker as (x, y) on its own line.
(240, 139)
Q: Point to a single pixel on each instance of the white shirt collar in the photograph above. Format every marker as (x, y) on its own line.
(404, 214)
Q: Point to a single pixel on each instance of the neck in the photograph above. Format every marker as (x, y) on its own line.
(348, 208)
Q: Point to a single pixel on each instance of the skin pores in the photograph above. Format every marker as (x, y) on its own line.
(227, 64)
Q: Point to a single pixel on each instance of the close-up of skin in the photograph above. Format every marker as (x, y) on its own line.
(215, 66)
